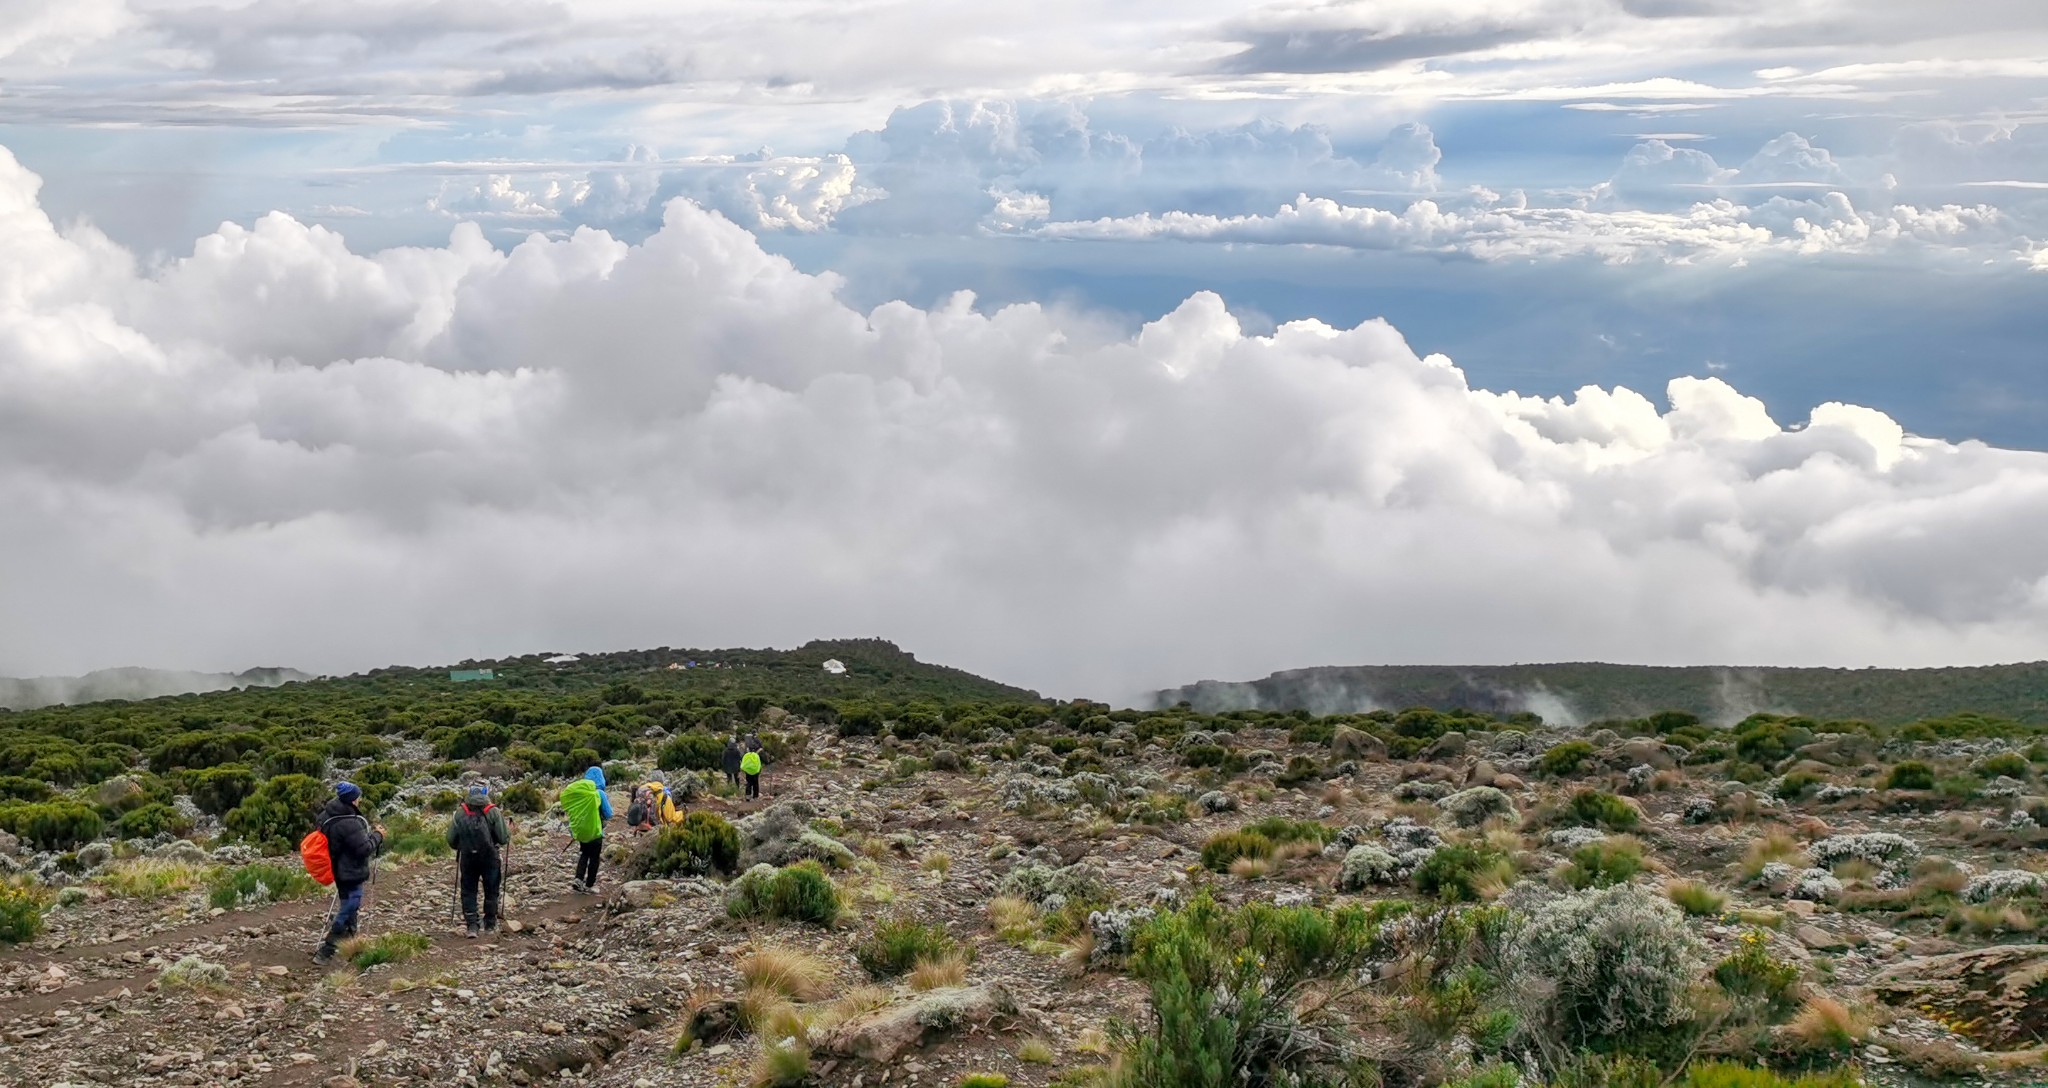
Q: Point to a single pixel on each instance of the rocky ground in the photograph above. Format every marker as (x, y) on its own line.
(596, 988)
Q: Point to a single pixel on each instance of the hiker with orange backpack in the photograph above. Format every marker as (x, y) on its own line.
(344, 841)
(477, 831)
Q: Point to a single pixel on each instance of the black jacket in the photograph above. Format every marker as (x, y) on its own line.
(351, 841)
(732, 758)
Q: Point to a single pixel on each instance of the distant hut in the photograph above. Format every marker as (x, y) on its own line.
(464, 676)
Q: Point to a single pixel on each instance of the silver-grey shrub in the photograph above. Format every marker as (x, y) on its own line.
(1603, 964)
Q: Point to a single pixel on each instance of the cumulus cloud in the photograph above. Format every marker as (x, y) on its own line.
(276, 449)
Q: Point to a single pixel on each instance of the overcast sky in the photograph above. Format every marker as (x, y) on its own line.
(1092, 347)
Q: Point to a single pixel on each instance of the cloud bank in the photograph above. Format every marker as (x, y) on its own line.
(276, 449)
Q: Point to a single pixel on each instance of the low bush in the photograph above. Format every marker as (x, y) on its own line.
(1563, 760)
(151, 820)
(408, 836)
(1910, 775)
(2009, 764)
(524, 798)
(1754, 977)
(153, 878)
(52, 825)
(21, 913)
(363, 953)
(1225, 848)
(218, 790)
(279, 813)
(897, 944)
(1603, 967)
(1462, 874)
(693, 751)
(263, 882)
(1604, 863)
(1595, 808)
(801, 892)
(1731, 1075)
(704, 842)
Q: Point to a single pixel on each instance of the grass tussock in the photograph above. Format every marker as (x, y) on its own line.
(1776, 844)
(793, 973)
(1695, 898)
(363, 953)
(1826, 1025)
(949, 969)
(154, 878)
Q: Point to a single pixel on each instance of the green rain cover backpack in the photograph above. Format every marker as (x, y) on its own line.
(580, 801)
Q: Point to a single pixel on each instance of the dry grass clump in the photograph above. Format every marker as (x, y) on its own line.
(1824, 1024)
(1695, 898)
(1015, 919)
(939, 972)
(1251, 868)
(1035, 1051)
(792, 973)
(1777, 844)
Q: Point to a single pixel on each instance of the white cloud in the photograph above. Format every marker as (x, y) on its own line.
(279, 450)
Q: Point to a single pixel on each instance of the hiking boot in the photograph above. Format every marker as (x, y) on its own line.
(325, 955)
(471, 932)
(491, 926)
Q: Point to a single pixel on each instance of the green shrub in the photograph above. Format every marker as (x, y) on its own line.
(408, 836)
(1599, 864)
(364, 953)
(1759, 980)
(1910, 775)
(1299, 769)
(897, 944)
(1732, 1075)
(984, 1080)
(1695, 898)
(524, 798)
(151, 820)
(1205, 755)
(1280, 829)
(1319, 731)
(1227, 990)
(16, 788)
(691, 752)
(703, 842)
(260, 883)
(2009, 764)
(1228, 846)
(21, 913)
(52, 825)
(279, 813)
(303, 761)
(801, 892)
(1797, 784)
(218, 790)
(1594, 808)
(1563, 760)
(859, 721)
(1457, 873)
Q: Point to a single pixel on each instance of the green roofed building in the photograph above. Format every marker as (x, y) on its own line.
(465, 675)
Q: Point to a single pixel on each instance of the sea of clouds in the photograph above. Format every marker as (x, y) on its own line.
(278, 450)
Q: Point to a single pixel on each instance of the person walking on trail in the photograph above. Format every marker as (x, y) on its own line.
(478, 832)
(588, 808)
(352, 843)
(751, 764)
(731, 760)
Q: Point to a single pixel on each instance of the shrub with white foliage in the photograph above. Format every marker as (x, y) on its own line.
(1475, 806)
(1367, 865)
(1880, 848)
(2003, 883)
(1817, 885)
(1605, 963)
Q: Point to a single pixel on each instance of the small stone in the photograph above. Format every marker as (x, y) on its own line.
(553, 1027)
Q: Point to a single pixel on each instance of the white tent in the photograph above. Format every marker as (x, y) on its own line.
(836, 667)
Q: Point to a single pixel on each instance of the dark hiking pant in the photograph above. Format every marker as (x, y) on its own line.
(481, 869)
(753, 786)
(587, 856)
(348, 906)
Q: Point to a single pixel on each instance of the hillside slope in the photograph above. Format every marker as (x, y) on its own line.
(42, 691)
(1581, 692)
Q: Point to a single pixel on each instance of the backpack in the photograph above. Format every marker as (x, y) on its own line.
(473, 830)
(751, 763)
(580, 802)
(313, 854)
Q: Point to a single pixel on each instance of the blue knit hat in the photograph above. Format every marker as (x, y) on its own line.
(347, 791)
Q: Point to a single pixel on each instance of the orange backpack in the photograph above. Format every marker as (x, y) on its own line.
(313, 852)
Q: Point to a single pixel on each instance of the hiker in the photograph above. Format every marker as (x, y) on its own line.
(352, 841)
(588, 808)
(751, 764)
(731, 761)
(478, 831)
(653, 806)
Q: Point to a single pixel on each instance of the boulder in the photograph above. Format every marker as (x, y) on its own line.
(2002, 991)
(715, 1021)
(1482, 773)
(884, 1034)
(120, 794)
(641, 894)
(1448, 746)
(1349, 743)
(1642, 751)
